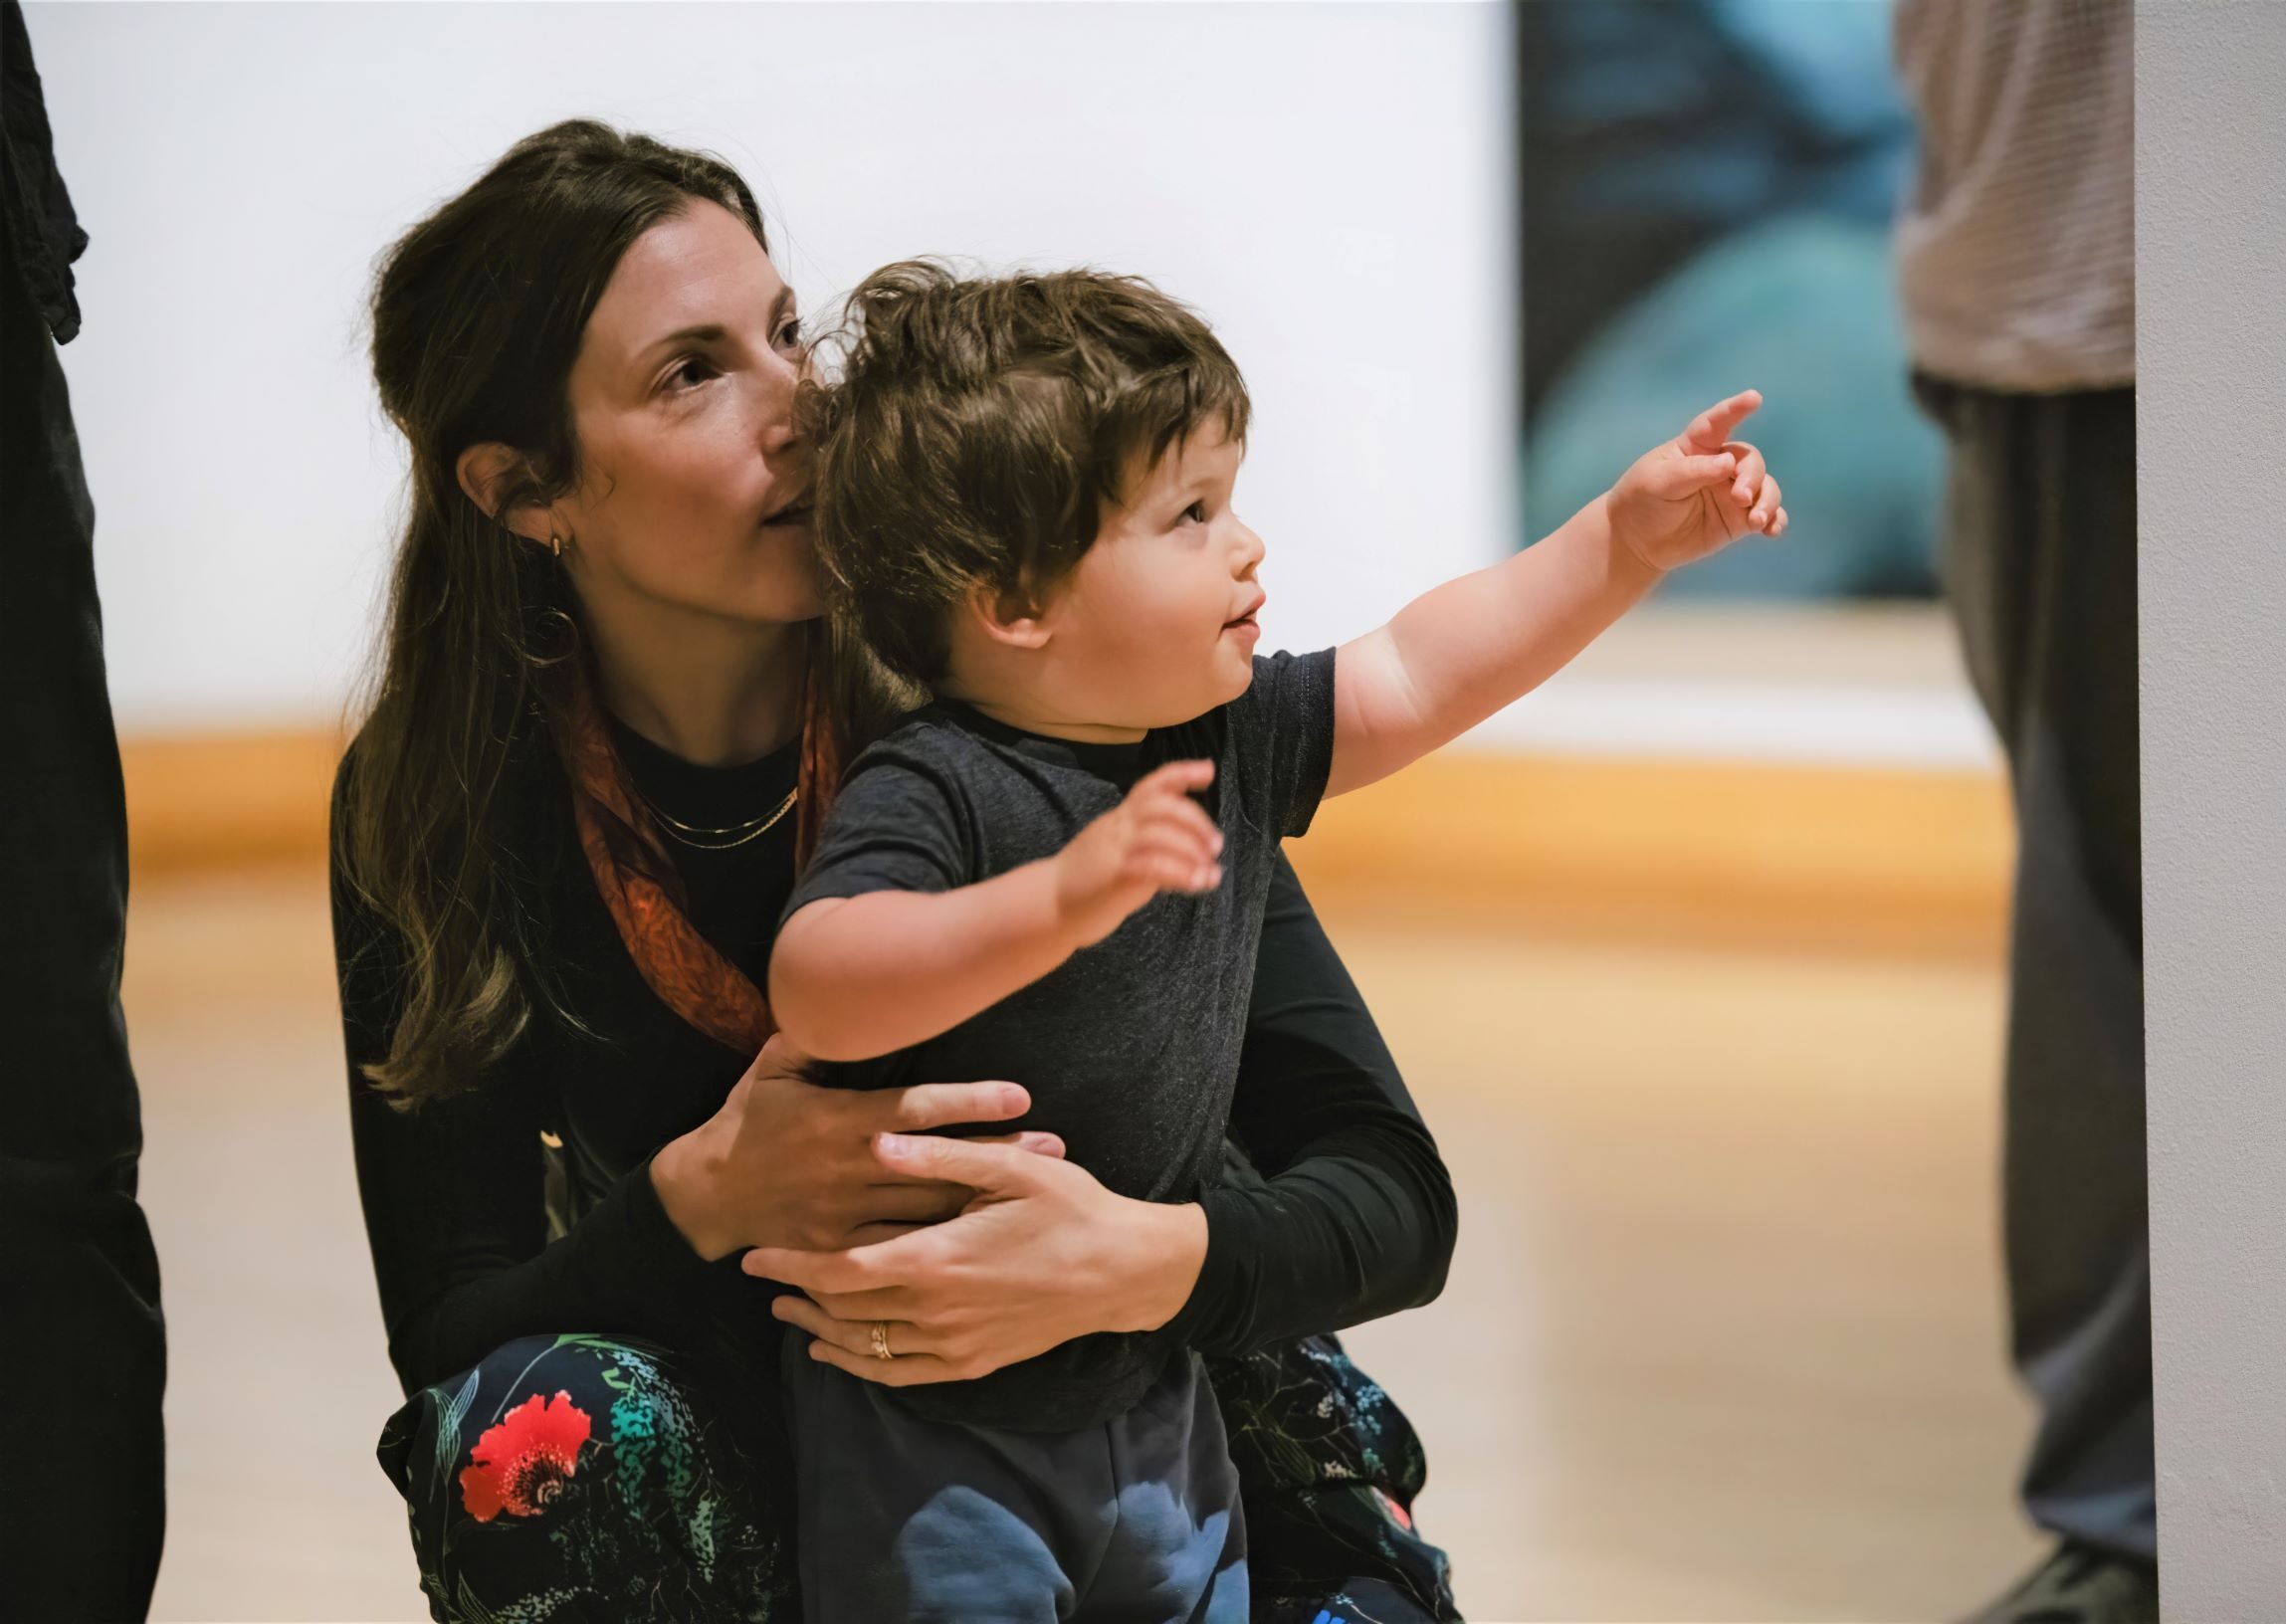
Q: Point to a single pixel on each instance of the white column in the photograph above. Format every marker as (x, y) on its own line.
(2211, 266)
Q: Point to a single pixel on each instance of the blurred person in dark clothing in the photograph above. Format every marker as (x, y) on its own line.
(2017, 266)
(83, 1361)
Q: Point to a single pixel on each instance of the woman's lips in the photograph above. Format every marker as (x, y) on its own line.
(795, 513)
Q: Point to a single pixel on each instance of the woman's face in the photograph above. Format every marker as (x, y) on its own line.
(694, 487)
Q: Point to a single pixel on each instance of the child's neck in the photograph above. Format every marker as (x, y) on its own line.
(1037, 714)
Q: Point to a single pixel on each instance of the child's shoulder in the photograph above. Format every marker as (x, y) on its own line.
(934, 741)
(932, 725)
(932, 733)
(1284, 687)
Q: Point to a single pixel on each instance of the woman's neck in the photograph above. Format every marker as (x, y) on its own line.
(716, 692)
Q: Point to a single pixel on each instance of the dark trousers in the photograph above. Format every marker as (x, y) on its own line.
(2039, 565)
(1134, 1520)
(82, 1351)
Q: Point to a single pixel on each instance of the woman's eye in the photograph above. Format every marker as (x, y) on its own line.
(790, 335)
(691, 370)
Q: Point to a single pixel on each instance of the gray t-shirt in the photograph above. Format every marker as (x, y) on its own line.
(1130, 1047)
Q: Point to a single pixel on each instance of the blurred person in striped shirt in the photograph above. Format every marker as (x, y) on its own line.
(2017, 261)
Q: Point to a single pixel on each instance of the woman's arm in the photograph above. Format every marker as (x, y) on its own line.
(453, 1203)
(1355, 1219)
(1355, 1216)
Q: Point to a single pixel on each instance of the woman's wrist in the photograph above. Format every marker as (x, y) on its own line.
(1168, 1244)
(679, 1173)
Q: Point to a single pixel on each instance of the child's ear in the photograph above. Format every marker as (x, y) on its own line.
(1010, 619)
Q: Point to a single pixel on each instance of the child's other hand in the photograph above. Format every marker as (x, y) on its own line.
(1697, 493)
(1157, 839)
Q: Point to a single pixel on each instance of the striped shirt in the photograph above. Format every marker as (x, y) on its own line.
(2017, 248)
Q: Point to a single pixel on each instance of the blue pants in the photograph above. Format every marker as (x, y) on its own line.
(905, 1520)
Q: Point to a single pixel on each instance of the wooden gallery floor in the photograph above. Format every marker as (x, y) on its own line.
(1723, 1338)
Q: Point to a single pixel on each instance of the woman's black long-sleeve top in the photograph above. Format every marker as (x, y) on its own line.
(1354, 1217)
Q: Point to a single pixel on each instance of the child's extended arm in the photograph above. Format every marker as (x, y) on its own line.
(1459, 653)
(858, 976)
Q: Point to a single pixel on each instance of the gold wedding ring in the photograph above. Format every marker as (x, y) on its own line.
(881, 1340)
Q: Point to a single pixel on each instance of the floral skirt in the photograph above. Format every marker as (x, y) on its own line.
(579, 1476)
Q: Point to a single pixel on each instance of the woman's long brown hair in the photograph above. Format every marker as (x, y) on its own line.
(478, 314)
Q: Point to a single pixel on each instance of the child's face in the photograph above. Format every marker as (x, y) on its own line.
(1157, 623)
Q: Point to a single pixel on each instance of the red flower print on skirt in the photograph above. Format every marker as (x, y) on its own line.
(521, 1463)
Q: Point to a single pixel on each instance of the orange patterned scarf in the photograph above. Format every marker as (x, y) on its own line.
(637, 877)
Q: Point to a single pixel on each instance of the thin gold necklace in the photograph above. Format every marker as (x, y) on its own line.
(725, 837)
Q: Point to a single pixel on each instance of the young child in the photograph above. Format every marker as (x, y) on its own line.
(1056, 872)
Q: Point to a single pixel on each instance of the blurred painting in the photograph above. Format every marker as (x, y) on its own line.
(1708, 188)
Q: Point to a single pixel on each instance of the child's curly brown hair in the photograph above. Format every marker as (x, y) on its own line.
(978, 427)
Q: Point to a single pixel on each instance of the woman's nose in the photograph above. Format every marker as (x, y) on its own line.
(780, 378)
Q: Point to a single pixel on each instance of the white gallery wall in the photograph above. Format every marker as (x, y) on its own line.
(1332, 185)
(2210, 407)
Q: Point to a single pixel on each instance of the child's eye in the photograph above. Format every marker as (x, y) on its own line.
(1195, 513)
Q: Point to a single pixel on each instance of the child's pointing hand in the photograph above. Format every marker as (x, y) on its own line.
(1697, 493)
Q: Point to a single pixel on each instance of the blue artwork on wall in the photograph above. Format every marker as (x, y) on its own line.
(1709, 187)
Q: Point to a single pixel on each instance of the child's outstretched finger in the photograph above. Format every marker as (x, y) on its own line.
(1711, 428)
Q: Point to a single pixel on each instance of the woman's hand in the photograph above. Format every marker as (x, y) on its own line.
(786, 1163)
(1041, 1254)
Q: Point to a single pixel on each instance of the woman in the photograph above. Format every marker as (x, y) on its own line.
(605, 725)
